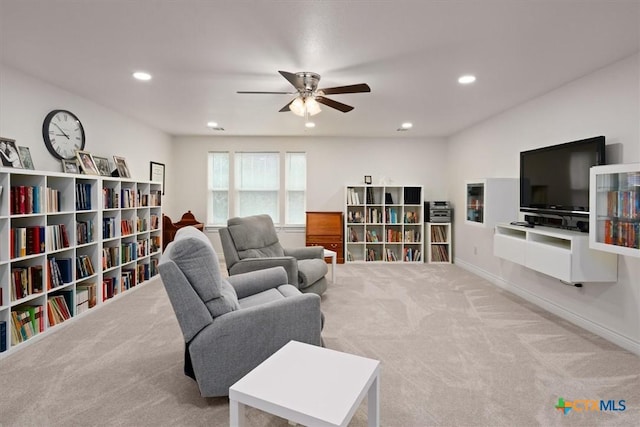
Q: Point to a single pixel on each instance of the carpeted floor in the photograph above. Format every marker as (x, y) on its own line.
(455, 351)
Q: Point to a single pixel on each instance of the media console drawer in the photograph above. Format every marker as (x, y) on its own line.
(558, 253)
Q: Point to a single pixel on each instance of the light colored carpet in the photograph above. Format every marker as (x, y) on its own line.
(455, 351)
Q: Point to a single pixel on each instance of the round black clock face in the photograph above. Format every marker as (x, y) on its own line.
(63, 134)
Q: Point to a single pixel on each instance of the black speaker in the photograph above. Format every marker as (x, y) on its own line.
(583, 226)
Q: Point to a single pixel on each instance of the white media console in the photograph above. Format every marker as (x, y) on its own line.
(559, 253)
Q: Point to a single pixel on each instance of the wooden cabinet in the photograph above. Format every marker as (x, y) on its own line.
(326, 229)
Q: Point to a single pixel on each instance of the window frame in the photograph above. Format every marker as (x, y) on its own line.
(233, 192)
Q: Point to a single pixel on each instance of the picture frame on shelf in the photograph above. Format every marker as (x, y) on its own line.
(156, 173)
(25, 157)
(367, 179)
(70, 166)
(103, 165)
(86, 162)
(9, 153)
(121, 167)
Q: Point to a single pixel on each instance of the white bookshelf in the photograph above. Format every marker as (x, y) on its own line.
(438, 242)
(77, 205)
(384, 224)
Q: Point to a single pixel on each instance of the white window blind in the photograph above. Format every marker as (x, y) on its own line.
(251, 183)
(296, 187)
(218, 186)
(257, 184)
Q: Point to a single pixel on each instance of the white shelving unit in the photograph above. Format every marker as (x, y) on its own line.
(439, 242)
(491, 200)
(384, 224)
(559, 253)
(53, 240)
(614, 209)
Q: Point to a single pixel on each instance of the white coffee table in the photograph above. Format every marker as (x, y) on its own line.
(333, 255)
(309, 385)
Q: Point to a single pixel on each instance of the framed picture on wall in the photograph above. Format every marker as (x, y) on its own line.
(156, 173)
(121, 167)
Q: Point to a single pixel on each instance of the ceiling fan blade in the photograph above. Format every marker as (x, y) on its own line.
(263, 92)
(286, 107)
(294, 79)
(334, 104)
(361, 87)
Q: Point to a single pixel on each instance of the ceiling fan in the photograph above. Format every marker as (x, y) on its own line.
(309, 96)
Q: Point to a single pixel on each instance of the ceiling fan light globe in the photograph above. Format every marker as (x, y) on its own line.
(297, 107)
(312, 106)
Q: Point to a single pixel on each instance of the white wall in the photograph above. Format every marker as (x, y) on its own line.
(332, 163)
(604, 103)
(25, 101)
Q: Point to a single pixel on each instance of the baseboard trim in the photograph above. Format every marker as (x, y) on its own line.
(606, 333)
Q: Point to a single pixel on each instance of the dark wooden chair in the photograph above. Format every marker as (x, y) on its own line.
(169, 228)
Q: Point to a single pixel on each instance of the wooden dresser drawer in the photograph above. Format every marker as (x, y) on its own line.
(326, 229)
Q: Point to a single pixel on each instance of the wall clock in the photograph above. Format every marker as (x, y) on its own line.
(63, 134)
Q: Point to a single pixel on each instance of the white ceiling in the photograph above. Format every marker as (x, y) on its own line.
(410, 53)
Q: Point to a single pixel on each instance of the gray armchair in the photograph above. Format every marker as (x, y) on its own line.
(251, 243)
(231, 326)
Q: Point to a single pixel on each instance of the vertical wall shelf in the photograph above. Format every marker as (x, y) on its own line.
(614, 209)
(384, 224)
(61, 245)
(491, 200)
(439, 242)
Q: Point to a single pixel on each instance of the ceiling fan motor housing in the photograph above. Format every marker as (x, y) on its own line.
(309, 81)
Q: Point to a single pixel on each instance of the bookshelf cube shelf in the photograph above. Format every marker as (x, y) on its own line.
(55, 230)
(614, 209)
(384, 224)
(439, 242)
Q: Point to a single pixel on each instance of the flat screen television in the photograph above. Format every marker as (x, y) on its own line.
(555, 179)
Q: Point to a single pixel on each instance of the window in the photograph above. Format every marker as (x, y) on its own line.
(218, 206)
(257, 184)
(296, 186)
(250, 183)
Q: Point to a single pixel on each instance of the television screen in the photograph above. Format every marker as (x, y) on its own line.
(555, 179)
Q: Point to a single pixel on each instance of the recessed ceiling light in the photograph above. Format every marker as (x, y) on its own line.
(407, 125)
(212, 124)
(310, 125)
(141, 75)
(466, 79)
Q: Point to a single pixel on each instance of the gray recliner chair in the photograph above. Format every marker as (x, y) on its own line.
(251, 243)
(231, 326)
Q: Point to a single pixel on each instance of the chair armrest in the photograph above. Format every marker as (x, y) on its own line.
(240, 340)
(305, 252)
(290, 264)
(257, 281)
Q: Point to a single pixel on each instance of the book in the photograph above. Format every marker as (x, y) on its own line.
(65, 266)
(3, 327)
